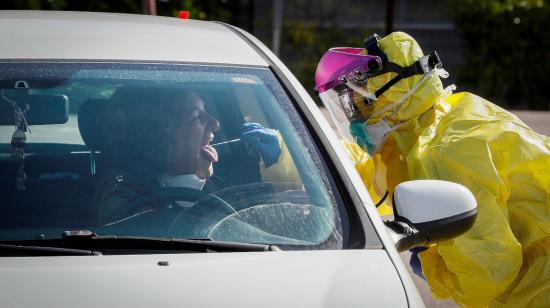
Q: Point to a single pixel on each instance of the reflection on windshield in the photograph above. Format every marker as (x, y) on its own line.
(167, 151)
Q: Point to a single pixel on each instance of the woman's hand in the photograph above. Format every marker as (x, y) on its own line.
(207, 157)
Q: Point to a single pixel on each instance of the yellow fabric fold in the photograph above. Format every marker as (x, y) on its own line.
(282, 171)
(364, 165)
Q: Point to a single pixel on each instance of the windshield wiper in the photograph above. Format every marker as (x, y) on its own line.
(84, 240)
(90, 240)
(7, 250)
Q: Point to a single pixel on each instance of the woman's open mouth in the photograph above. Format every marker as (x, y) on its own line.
(207, 140)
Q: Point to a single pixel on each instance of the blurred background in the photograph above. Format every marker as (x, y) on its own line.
(499, 49)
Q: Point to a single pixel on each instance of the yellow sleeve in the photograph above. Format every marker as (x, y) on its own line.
(364, 164)
(283, 170)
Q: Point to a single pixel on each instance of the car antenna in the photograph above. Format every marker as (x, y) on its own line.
(19, 137)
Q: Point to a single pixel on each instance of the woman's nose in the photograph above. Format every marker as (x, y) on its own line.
(213, 123)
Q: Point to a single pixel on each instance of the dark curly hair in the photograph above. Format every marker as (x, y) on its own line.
(148, 118)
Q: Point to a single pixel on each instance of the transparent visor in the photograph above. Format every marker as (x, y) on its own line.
(345, 105)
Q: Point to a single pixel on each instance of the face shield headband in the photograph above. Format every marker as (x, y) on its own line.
(419, 67)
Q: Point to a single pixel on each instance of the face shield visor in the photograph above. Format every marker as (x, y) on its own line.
(345, 106)
(340, 82)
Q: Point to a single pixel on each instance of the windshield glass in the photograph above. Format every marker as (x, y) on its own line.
(164, 150)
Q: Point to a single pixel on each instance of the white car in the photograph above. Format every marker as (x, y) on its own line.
(97, 119)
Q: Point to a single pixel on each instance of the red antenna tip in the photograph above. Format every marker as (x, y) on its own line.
(184, 15)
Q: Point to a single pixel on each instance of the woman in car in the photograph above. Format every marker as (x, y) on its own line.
(162, 138)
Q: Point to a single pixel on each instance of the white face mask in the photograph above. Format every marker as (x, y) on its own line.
(376, 134)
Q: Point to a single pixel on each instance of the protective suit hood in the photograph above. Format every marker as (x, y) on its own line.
(403, 50)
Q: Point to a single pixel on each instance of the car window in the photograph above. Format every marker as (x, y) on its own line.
(117, 146)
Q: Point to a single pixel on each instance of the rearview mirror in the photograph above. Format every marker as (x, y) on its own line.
(430, 211)
(43, 109)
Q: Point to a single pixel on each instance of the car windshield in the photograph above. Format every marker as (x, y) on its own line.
(125, 149)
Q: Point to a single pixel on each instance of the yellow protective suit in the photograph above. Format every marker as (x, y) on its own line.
(282, 171)
(504, 258)
(364, 165)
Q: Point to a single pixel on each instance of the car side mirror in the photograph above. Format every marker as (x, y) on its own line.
(430, 211)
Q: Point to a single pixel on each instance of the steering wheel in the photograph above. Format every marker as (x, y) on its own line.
(210, 210)
(155, 201)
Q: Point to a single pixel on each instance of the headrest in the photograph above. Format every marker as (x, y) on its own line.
(95, 123)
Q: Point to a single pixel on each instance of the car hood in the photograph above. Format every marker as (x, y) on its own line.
(349, 278)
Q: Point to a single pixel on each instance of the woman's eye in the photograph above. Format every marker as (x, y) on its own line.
(197, 118)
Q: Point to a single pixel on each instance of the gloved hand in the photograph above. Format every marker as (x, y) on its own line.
(415, 264)
(264, 140)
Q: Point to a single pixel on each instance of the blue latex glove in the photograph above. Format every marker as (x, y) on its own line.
(415, 264)
(264, 140)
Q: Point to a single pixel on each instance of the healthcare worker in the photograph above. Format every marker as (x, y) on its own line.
(389, 98)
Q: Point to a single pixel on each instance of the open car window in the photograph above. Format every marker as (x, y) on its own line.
(106, 163)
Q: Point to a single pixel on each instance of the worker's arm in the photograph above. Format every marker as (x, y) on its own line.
(276, 163)
(364, 164)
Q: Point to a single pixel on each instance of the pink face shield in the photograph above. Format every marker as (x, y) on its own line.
(341, 64)
(340, 80)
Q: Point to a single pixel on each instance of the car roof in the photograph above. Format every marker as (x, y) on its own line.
(109, 36)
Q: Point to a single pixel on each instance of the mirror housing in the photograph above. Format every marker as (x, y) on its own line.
(43, 109)
(430, 211)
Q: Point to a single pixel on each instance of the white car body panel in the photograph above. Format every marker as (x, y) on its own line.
(353, 278)
(129, 37)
